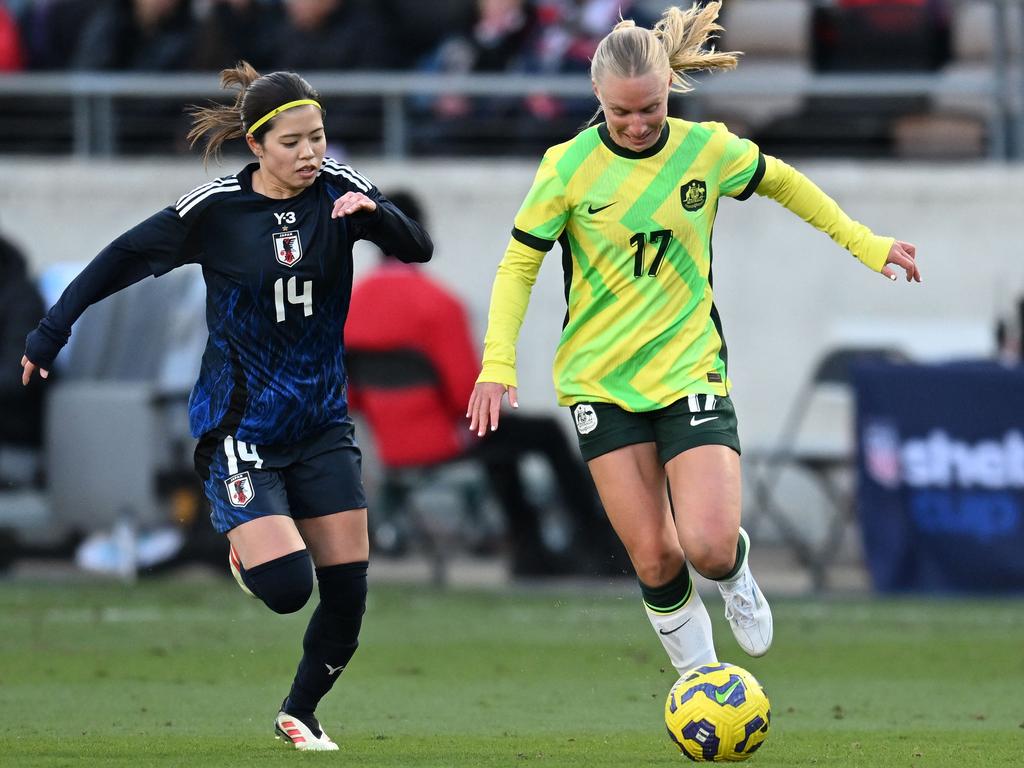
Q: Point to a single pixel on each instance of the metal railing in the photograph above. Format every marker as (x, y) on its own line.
(1000, 85)
(92, 95)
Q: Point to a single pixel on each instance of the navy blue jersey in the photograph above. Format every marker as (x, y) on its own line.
(278, 275)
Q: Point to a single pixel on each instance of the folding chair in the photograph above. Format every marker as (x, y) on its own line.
(816, 439)
(429, 504)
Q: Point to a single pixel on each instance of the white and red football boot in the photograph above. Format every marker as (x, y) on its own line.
(289, 728)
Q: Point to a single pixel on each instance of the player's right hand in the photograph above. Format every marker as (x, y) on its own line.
(485, 405)
(28, 368)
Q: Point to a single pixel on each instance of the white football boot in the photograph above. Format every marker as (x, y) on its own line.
(235, 563)
(299, 735)
(746, 609)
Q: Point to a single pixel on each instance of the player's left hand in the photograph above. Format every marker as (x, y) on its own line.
(352, 202)
(28, 368)
(903, 256)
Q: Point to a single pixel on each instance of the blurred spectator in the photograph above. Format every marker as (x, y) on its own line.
(146, 35)
(332, 34)
(422, 424)
(342, 35)
(500, 39)
(571, 30)
(50, 30)
(569, 33)
(235, 30)
(420, 27)
(21, 306)
(873, 36)
(12, 55)
(881, 35)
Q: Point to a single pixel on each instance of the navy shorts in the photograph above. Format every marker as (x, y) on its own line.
(690, 421)
(316, 476)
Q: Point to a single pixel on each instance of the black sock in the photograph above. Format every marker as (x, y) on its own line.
(331, 637)
(670, 597)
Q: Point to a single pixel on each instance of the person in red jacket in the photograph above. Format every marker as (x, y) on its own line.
(416, 415)
(12, 50)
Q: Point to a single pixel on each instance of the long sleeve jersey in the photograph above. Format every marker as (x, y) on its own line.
(641, 329)
(278, 276)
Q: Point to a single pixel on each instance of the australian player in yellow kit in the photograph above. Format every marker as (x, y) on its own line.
(642, 361)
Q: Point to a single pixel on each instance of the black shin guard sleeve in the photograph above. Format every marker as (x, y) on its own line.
(284, 584)
(332, 635)
(668, 597)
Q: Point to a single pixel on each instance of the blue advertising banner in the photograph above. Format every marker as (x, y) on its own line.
(940, 478)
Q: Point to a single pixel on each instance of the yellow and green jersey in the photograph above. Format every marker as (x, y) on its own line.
(641, 329)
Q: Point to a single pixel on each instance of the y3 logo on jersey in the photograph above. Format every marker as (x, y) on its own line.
(287, 248)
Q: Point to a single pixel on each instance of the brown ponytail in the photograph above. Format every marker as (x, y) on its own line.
(257, 95)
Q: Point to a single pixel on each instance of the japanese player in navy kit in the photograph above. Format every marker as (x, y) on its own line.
(276, 446)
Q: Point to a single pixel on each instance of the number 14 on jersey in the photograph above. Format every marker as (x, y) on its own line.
(303, 299)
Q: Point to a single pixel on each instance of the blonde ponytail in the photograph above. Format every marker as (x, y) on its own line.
(679, 43)
(686, 36)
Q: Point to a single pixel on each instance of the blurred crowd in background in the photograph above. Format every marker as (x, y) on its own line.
(179, 35)
(527, 37)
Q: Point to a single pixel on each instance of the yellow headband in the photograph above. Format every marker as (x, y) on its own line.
(275, 112)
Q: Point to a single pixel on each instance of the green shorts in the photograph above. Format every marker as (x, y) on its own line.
(691, 421)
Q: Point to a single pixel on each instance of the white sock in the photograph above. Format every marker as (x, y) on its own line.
(686, 634)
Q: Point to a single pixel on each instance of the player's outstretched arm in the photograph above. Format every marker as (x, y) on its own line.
(484, 407)
(797, 193)
(904, 256)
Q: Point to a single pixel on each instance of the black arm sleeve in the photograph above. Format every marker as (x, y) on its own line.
(113, 269)
(153, 247)
(395, 233)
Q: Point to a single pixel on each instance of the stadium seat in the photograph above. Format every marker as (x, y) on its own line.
(116, 414)
(774, 36)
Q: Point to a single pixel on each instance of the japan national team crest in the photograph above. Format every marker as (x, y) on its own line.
(240, 491)
(287, 248)
(693, 194)
(586, 418)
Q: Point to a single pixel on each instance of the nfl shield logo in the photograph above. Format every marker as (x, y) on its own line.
(586, 419)
(240, 490)
(287, 248)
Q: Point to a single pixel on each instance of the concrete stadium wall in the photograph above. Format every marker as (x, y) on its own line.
(785, 292)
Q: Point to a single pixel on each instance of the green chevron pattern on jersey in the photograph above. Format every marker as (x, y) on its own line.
(641, 329)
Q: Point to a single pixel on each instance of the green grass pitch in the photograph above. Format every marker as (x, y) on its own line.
(176, 673)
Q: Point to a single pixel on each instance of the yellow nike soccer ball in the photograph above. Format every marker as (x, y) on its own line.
(717, 712)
